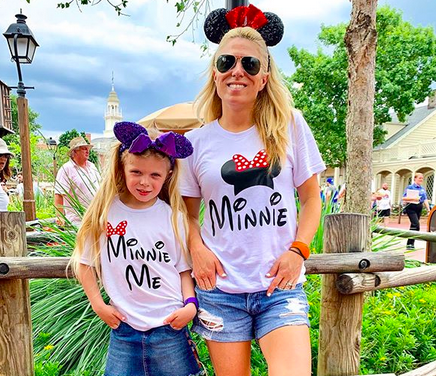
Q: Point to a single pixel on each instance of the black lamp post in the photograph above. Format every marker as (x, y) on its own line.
(52, 145)
(22, 46)
(230, 4)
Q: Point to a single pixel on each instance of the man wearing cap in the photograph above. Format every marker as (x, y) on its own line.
(5, 174)
(77, 180)
(331, 192)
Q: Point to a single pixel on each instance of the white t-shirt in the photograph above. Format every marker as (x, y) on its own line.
(4, 200)
(140, 262)
(75, 181)
(250, 216)
(385, 202)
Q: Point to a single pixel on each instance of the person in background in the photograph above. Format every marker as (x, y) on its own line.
(383, 202)
(76, 182)
(5, 174)
(20, 187)
(331, 192)
(254, 152)
(415, 203)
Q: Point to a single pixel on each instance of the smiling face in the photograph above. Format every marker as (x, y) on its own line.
(419, 179)
(145, 177)
(236, 87)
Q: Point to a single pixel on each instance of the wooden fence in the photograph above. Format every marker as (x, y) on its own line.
(348, 271)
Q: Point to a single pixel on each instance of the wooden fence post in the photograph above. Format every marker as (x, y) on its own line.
(341, 315)
(16, 348)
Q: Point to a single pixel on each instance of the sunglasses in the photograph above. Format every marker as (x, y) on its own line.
(226, 62)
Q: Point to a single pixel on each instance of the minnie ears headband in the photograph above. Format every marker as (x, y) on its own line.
(220, 21)
(135, 138)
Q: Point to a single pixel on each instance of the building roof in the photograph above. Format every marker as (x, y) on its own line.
(415, 118)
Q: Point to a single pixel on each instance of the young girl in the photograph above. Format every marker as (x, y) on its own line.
(131, 238)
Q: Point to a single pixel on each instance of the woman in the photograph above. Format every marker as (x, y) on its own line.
(415, 197)
(5, 174)
(249, 158)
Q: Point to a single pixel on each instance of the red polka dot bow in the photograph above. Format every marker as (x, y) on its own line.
(259, 161)
(119, 230)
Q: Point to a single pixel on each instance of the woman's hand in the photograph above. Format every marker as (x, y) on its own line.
(285, 271)
(205, 266)
(109, 315)
(181, 317)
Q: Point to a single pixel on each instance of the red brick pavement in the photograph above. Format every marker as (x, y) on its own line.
(420, 245)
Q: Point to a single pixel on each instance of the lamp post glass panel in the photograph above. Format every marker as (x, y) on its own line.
(22, 46)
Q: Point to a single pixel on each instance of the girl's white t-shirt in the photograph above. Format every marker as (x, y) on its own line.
(140, 262)
(250, 214)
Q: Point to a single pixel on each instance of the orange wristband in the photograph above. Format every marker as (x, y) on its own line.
(303, 248)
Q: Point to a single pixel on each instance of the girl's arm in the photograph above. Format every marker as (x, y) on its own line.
(87, 277)
(205, 264)
(182, 316)
(287, 268)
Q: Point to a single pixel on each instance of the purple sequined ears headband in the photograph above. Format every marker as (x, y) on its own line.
(220, 21)
(135, 138)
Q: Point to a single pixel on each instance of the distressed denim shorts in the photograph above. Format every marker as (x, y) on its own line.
(161, 351)
(225, 317)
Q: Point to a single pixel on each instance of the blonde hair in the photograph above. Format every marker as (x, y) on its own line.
(114, 183)
(272, 111)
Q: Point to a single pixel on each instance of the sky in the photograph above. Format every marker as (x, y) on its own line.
(80, 49)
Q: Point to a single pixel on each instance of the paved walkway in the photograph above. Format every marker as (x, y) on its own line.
(420, 245)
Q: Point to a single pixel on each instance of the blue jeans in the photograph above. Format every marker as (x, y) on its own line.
(225, 317)
(161, 351)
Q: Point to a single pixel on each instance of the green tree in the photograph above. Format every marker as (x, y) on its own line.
(39, 157)
(405, 69)
(63, 146)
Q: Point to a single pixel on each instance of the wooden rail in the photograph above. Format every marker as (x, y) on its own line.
(352, 283)
(55, 267)
(428, 236)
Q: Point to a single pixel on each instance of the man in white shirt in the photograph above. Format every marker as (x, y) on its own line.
(76, 182)
(383, 200)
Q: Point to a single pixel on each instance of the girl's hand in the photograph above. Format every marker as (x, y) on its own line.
(109, 315)
(285, 271)
(205, 266)
(181, 317)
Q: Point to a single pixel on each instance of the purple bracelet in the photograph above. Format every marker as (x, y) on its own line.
(192, 300)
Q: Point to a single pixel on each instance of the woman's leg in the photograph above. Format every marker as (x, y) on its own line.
(287, 351)
(230, 358)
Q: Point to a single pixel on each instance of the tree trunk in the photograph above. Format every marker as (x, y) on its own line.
(361, 41)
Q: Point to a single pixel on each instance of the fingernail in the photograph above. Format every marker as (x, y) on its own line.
(224, 275)
(268, 275)
(268, 294)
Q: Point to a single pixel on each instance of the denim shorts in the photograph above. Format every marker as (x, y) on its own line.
(161, 351)
(225, 317)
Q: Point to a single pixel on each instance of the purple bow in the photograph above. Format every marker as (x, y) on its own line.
(135, 138)
(165, 143)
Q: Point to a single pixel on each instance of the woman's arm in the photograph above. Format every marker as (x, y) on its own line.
(287, 268)
(205, 264)
(86, 276)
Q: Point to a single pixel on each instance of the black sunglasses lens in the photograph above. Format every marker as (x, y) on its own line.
(251, 65)
(225, 62)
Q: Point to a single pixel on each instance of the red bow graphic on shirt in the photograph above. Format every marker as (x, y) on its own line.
(119, 230)
(260, 160)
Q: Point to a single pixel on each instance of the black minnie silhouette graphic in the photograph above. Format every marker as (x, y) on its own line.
(243, 174)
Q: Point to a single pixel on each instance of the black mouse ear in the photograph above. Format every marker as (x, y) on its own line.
(273, 31)
(216, 25)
